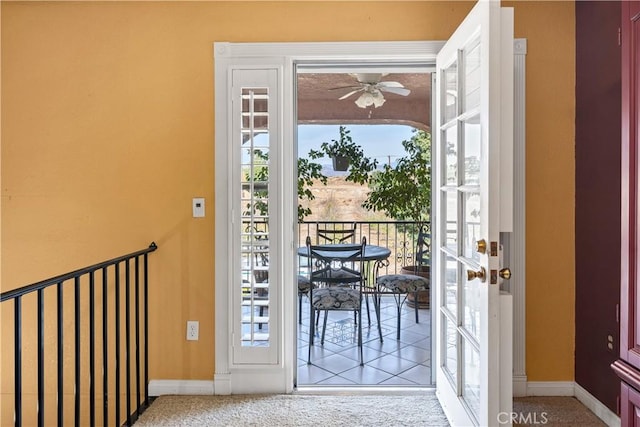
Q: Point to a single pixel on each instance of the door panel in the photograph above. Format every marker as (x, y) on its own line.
(473, 99)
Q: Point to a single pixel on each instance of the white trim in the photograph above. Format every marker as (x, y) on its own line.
(550, 388)
(517, 244)
(519, 384)
(162, 387)
(355, 52)
(222, 384)
(237, 378)
(597, 407)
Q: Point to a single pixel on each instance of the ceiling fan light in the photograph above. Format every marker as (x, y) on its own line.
(378, 101)
(368, 99)
(364, 100)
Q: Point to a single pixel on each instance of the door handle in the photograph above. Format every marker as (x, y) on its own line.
(480, 274)
(481, 246)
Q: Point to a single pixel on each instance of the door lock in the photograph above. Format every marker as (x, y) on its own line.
(481, 246)
(505, 273)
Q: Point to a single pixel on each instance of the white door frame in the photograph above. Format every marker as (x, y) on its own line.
(230, 378)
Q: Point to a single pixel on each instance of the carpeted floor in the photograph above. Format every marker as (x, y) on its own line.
(295, 410)
(553, 411)
(415, 409)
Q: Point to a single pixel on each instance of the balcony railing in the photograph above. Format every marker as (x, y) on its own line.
(84, 335)
(399, 236)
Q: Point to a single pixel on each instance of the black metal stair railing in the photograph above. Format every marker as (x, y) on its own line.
(78, 289)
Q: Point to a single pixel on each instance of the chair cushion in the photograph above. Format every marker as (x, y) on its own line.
(303, 285)
(336, 298)
(342, 274)
(403, 283)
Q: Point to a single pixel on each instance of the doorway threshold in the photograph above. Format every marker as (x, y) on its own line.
(364, 390)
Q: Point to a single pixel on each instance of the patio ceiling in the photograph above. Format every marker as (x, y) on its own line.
(318, 104)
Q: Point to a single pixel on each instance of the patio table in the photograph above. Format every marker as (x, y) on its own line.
(372, 253)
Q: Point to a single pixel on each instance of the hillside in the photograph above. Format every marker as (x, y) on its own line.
(340, 200)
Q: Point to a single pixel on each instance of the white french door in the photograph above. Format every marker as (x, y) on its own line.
(473, 190)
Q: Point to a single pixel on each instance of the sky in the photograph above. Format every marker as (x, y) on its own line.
(377, 141)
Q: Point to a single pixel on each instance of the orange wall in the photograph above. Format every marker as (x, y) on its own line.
(108, 132)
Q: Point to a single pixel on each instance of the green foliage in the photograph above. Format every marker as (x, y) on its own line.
(308, 172)
(403, 192)
(360, 167)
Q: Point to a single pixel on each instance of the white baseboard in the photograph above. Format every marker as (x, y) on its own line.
(162, 387)
(519, 385)
(597, 407)
(550, 388)
(222, 384)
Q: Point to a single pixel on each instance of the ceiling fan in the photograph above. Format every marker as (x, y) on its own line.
(371, 86)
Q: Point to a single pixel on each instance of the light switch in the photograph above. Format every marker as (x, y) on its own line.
(198, 207)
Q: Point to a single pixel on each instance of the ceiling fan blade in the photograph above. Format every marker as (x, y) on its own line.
(397, 90)
(390, 84)
(346, 87)
(349, 94)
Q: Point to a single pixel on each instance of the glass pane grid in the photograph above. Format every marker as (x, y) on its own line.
(471, 377)
(471, 76)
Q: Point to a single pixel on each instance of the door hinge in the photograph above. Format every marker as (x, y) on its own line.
(619, 36)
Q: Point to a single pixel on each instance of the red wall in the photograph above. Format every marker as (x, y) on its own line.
(597, 196)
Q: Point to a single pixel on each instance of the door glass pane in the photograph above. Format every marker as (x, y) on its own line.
(472, 151)
(451, 285)
(254, 262)
(471, 307)
(471, 376)
(451, 155)
(451, 350)
(451, 220)
(471, 224)
(450, 93)
(472, 77)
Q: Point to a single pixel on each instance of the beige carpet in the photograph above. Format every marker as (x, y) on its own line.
(554, 411)
(295, 410)
(345, 410)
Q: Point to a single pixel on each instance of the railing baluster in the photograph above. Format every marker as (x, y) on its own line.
(60, 355)
(137, 303)
(77, 351)
(17, 361)
(40, 357)
(105, 349)
(117, 335)
(92, 350)
(146, 330)
(127, 315)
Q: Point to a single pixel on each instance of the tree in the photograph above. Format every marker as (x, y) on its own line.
(403, 192)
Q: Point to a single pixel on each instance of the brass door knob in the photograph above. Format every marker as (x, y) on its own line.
(481, 246)
(505, 273)
(481, 274)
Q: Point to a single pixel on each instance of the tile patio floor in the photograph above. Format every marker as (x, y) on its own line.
(404, 362)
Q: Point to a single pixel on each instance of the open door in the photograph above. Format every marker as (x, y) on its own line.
(473, 178)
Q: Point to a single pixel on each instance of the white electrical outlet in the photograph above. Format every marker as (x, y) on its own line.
(193, 330)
